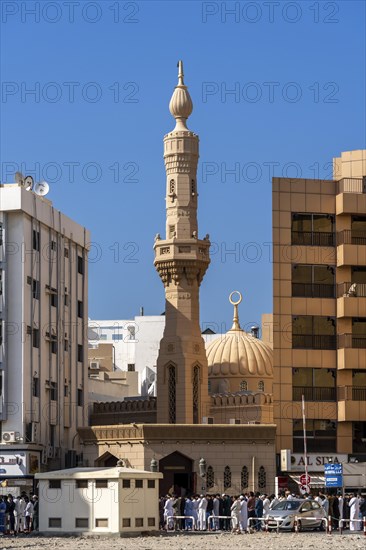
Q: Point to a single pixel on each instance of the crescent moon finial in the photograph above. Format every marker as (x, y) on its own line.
(235, 303)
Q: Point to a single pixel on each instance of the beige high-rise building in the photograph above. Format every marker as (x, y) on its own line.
(319, 312)
(43, 335)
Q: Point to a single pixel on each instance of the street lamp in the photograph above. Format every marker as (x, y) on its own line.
(153, 465)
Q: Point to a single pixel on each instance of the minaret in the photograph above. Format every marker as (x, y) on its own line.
(181, 260)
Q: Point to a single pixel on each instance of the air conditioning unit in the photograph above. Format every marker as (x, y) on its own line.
(234, 421)
(207, 420)
(10, 437)
(94, 365)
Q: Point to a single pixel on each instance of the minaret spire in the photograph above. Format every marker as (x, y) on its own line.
(180, 105)
(236, 324)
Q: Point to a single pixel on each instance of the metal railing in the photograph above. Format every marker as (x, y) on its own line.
(312, 238)
(351, 236)
(350, 185)
(352, 393)
(356, 341)
(314, 341)
(313, 290)
(171, 520)
(351, 290)
(345, 520)
(313, 393)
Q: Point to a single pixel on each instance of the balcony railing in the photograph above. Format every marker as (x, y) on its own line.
(350, 185)
(314, 341)
(357, 341)
(352, 393)
(351, 290)
(351, 236)
(312, 238)
(313, 290)
(313, 394)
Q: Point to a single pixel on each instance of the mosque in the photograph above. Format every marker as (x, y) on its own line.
(211, 426)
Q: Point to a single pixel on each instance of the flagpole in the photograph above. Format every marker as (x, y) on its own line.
(305, 446)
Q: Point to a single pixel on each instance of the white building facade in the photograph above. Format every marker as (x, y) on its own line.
(43, 335)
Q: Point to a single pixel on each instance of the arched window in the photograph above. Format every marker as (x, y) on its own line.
(244, 478)
(209, 386)
(196, 394)
(261, 385)
(243, 385)
(227, 477)
(262, 478)
(172, 393)
(210, 477)
(172, 187)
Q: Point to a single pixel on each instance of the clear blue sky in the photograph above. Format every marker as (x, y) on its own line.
(103, 73)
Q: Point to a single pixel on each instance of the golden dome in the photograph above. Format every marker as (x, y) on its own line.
(238, 353)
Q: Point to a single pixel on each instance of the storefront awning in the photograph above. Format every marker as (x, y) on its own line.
(316, 480)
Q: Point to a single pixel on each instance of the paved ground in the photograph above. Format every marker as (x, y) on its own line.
(258, 541)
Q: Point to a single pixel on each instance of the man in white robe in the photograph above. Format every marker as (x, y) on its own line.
(202, 507)
(354, 513)
(243, 522)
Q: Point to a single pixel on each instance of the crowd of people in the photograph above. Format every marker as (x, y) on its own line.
(18, 514)
(231, 513)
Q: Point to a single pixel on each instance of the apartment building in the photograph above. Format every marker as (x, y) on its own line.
(319, 310)
(43, 335)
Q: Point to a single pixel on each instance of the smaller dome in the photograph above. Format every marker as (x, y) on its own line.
(181, 105)
(238, 353)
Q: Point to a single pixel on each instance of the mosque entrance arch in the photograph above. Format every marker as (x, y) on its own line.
(179, 478)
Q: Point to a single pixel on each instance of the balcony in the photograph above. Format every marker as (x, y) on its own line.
(350, 185)
(314, 341)
(351, 300)
(351, 197)
(351, 248)
(354, 341)
(312, 238)
(313, 290)
(351, 403)
(313, 394)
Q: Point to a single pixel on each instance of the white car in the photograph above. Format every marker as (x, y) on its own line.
(309, 514)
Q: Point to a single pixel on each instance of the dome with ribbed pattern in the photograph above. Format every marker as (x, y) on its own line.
(181, 105)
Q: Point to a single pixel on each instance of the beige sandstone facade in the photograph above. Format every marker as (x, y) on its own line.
(319, 311)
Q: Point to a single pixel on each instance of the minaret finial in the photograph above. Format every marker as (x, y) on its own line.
(236, 324)
(181, 105)
(180, 74)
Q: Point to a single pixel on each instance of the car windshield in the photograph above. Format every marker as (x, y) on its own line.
(287, 505)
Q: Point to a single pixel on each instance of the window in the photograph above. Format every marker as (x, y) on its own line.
(359, 437)
(80, 265)
(66, 390)
(262, 478)
(81, 523)
(101, 522)
(171, 231)
(103, 337)
(260, 385)
(80, 353)
(317, 384)
(312, 229)
(244, 478)
(126, 522)
(54, 522)
(210, 477)
(151, 483)
(101, 483)
(54, 300)
(151, 522)
(35, 386)
(53, 245)
(35, 337)
(313, 281)
(79, 397)
(117, 336)
(243, 385)
(53, 437)
(196, 394)
(35, 287)
(321, 436)
(126, 483)
(193, 187)
(131, 332)
(36, 240)
(81, 483)
(227, 477)
(54, 484)
(131, 367)
(139, 483)
(139, 522)
(66, 345)
(66, 252)
(172, 394)
(53, 344)
(171, 187)
(80, 309)
(313, 332)
(66, 299)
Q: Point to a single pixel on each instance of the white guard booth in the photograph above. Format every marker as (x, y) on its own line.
(98, 500)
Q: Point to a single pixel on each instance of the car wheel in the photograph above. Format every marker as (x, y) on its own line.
(299, 526)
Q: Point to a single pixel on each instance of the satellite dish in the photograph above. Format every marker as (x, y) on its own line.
(28, 183)
(41, 188)
(19, 178)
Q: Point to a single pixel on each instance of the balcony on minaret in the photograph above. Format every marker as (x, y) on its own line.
(179, 249)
